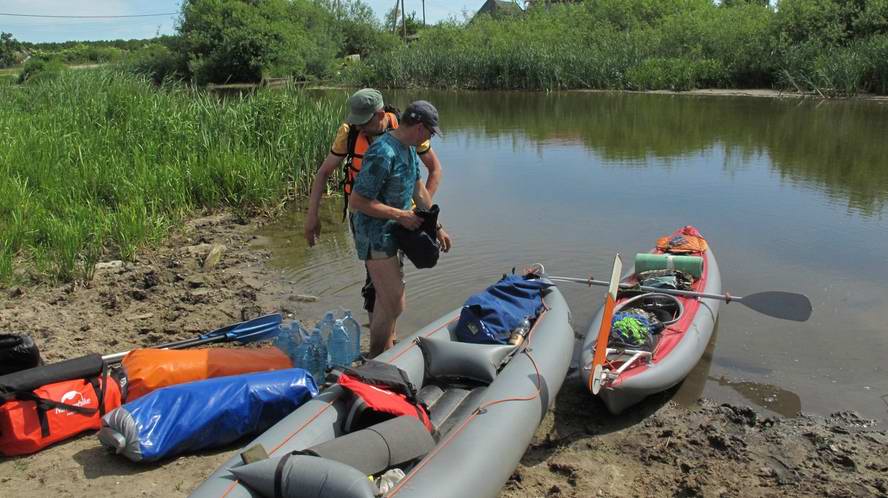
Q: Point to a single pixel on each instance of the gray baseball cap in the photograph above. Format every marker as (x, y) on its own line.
(424, 112)
(362, 105)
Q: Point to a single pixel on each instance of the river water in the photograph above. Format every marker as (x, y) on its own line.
(792, 195)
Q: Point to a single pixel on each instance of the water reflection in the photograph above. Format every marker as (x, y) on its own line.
(774, 398)
(836, 147)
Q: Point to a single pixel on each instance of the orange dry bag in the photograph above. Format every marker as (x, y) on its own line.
(32, 418)
(150, 369)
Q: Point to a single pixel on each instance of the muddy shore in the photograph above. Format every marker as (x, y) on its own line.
(658, 449)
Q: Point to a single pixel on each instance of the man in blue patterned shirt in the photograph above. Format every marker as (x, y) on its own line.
(383, 196)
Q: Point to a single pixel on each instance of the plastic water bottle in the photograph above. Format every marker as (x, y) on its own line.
(290, 337)
(316, 357)
(520, 332)
(301, 354)
(339, 346)
(354, 334)
(326, 326)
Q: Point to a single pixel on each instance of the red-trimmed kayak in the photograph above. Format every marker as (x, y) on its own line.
(634, 374)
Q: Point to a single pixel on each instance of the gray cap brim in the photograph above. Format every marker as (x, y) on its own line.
(358, 119)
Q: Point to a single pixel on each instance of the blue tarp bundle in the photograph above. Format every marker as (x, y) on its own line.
(204, 414)
(490, 316)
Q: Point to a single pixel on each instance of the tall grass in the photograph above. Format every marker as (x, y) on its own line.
(646, 45)
(99, 163)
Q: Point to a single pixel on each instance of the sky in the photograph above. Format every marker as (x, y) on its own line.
(32, 29)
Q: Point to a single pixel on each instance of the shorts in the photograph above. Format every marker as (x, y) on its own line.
(367, 291)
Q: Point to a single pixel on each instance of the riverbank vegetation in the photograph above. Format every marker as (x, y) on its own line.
(98, 163)
(830, 47)
(825, 47)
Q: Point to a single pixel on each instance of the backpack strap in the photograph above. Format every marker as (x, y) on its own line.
(347, 181)
(43, 405)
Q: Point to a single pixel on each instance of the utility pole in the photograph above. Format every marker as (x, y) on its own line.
(404, 20)
(423, 13)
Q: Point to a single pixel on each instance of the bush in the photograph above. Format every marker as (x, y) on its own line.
(40, 70)
(235, 41)
(158, 63)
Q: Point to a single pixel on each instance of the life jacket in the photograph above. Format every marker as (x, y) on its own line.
(385, 388)
(684, 240)
(45, 405)
(356, 145)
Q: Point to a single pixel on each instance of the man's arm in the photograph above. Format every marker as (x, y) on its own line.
(433, 164)
(423, 200)
(312, 227)
(421, 196)
(376, 209)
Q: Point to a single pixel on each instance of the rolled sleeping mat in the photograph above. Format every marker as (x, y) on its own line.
(204, 414)
(376, 448)
(689, 264)
(304, 476)
(83, 367)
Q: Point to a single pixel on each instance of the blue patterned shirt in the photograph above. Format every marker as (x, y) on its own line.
(389, 172)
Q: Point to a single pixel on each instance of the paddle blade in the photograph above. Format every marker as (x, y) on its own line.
(604, 328)
(785, 305)
(257, 329)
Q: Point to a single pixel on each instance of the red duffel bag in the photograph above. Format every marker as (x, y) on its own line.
(36, 412)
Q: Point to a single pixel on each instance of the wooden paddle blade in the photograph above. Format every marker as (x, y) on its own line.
(596, 379)
(785, 305)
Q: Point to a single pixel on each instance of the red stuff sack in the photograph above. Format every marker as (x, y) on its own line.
(32, 418)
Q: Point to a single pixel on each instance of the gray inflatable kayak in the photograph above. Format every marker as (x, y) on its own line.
(633, 374)
(481, 428)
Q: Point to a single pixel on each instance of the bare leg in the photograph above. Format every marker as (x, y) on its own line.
(386, 276)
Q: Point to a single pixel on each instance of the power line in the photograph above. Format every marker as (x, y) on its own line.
(88, 17)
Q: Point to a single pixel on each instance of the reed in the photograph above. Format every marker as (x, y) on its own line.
(641, 45)
(98, 163)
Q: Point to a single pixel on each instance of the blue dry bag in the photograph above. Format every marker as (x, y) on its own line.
(204, 414)
(489, 317)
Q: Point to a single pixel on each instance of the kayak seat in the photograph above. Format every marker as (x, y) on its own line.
(465, 408)
(430, 394)
(461, 362)
(447, 405)
(360, 416)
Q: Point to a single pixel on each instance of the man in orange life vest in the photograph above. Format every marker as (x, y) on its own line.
(367, 119)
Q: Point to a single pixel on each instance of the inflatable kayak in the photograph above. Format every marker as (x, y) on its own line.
(481, 404)
(657, 338)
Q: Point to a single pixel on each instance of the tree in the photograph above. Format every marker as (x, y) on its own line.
(9, 49)
(245, 40)
(361, 31)
(393, 22)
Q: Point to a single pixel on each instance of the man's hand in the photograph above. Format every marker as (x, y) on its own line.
(408, 220)
(312, 230)
(444, 240)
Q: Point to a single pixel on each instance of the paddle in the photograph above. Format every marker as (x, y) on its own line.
(256, 329)
(597, 376)
(778, 304)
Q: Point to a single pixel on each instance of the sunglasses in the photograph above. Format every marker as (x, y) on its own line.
(429, 129)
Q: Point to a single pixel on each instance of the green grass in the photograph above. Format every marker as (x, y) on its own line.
(98, 163)
(647, 45)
